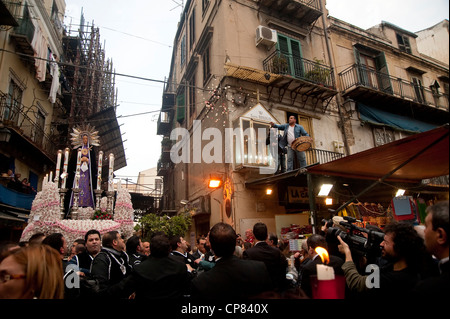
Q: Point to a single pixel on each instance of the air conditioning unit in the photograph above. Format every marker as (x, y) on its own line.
(265, 36)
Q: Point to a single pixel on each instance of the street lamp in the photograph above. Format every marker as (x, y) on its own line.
(214, 182)
(5, 134)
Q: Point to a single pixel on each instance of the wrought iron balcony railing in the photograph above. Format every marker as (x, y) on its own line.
(317, 156)
(299, 68)
(361, 76)
(12, 114)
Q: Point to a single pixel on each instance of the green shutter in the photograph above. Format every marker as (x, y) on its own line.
(291, 49)
(181, 108)
(384, 80)
(359, 68)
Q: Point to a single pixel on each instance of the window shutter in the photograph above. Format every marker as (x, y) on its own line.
(181, 108)
(382, 68)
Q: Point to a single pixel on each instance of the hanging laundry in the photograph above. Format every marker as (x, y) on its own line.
(55, 73)
(40, 47)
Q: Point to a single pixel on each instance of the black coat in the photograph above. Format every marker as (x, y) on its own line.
(232, 278)
(155, 278)
(106, 268)
(274, 260)
(436, 287)
(310, 269)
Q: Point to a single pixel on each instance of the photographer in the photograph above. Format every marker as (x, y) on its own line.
(405, 251)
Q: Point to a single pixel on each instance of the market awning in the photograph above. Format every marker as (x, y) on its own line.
(417, 157)
(397, 122)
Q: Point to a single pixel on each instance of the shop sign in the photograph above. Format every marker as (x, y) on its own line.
(297, 195)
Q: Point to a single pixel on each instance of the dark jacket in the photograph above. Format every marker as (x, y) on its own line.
(232, 278)
(83, 261)
(109, 267)
(274, 260)
(186, 259)
(436, 287)
(155, 278)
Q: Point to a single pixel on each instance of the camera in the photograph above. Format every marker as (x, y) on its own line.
(362, 241)
(327, 222)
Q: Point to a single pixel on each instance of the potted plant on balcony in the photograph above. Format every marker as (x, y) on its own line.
(279, 64)
(318, 74)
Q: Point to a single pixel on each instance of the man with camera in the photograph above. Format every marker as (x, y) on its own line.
(405, 251)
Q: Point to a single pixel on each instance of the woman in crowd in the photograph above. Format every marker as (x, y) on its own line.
(33, 272)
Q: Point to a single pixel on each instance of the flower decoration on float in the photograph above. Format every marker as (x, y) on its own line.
(102, 215)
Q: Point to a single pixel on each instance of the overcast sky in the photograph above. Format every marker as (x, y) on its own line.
(138, 36)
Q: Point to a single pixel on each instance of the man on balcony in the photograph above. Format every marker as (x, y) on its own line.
(292, 131)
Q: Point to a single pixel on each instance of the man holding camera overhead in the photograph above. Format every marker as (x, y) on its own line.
(408, 262)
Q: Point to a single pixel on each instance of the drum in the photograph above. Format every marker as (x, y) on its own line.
(302, 143)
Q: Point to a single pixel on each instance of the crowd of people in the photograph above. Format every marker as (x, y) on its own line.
(222, 265)
(13, 181)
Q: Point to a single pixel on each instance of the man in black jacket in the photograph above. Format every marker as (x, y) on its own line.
(111, 265)
(272, 257)
(231, 277)
(157, 277)
(93, 246)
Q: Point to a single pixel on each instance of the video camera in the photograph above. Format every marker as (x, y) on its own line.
(363, 241)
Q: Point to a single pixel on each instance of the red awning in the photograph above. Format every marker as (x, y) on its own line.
(426, 155)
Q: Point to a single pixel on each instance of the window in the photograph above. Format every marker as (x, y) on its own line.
(206, 66)
(372, 69)
(250, 144)
(290, 55)
(205, 5)
(183, 50)
(38, 131)
(13, 103)
(192, 30)
(181, 107)
(418, 89)
(191, 90)
(403, 43)
(382, 136)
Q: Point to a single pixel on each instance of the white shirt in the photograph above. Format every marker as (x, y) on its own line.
(290, 135)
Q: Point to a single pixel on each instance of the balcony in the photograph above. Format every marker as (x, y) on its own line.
(361, 83)
(25, 129)
(316, 156)
(163, 167)
(165, 123)
(305, 11)
(301, 77)
(9, 11)
(23, 36)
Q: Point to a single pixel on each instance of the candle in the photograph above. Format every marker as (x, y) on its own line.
(51, 176)
(66, 163)
(58, 166)
(99, 172)
(111, 175)
(325, 272)
(77, 173)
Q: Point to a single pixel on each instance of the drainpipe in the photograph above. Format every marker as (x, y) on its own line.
(338, 97)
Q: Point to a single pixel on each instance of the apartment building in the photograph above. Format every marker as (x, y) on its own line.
(240, 65)
(52, 79)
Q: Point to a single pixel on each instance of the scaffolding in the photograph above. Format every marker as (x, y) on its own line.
(89, 78)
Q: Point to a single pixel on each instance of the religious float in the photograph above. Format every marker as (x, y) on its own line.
(76, 210)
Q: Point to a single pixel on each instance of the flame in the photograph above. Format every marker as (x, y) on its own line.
(323, 253)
